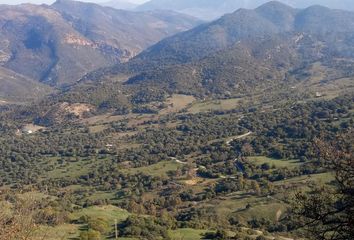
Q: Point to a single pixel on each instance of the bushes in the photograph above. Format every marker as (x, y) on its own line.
(144, 227)
(99, 224)
(90, 235)
(96, 227)
(219, 234)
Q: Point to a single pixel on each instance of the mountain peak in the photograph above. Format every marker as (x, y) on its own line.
(275, 5)
(317, 8)
(62, 1)
(278, 13)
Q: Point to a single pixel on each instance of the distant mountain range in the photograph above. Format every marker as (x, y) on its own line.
(58, 44)
(242, 51)
(265, 22)
(212, 9)
(97, 53)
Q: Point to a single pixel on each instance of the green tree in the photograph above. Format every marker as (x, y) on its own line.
(90, 235)
(328, 212)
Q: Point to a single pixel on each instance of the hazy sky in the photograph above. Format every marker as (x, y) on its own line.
(51, 1)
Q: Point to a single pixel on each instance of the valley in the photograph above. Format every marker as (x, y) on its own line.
(121, 124)
(181, 155)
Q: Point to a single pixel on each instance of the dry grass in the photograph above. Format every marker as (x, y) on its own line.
(177, 103)
(206, 106)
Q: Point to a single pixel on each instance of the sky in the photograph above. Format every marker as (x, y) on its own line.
(51, 1)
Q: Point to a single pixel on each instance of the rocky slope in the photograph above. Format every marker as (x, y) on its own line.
(59, 44)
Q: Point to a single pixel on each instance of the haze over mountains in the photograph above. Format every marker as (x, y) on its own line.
(212, 9)
(245, 53)
(174, 128)
(119, 4)
(244, 50)
(60, 43)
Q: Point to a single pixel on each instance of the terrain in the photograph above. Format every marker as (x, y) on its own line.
(211, 133)
(40, 41)
(242, 53)
(17, 88)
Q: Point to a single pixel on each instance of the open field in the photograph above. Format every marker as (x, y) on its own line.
(323, 80)
(187, 234)
(71, 231)
(60, 232)
(158, 169)
(278, 163)
(213, 105)
(319, 178)
(177, 103)
(69, 169)
(108, 212)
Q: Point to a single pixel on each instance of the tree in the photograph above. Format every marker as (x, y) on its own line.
(328, 212)
(255, 187)
(99, 224)
(17, 217)
(247, 149)
(90, 235)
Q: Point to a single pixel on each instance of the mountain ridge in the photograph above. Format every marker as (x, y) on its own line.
(39, 41)
(278, 42)
(210, 10)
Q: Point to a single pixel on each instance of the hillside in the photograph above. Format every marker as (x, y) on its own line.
(272, 19)
(16, 88)
(269, 52)
(56, 44)
(240, 128)
(243, 50)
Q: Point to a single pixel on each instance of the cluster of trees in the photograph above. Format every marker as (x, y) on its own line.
(96, 227)
(286, 133)
(150, 228)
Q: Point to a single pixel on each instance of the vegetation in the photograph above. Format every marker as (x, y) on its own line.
(194, 138)
(327, 212)
(177, 171)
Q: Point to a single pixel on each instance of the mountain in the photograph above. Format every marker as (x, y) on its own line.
(212, 9)
(126, 30)
(268, 21)
(242, 51)
(203, 9)
(249, 52)
(56, 44)
(118, 4)
(17, 88)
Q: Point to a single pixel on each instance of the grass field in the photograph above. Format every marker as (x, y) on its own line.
(187, 234)
(177, 102)
(69, 169)
(319, 178)
(72, 231)
(61, 232)
(329, 89)
(108, 212)
(271, 211)
(158, 169)
(278, 163)
(206, 106)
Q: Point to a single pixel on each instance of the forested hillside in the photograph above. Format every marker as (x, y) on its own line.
(240, 128)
